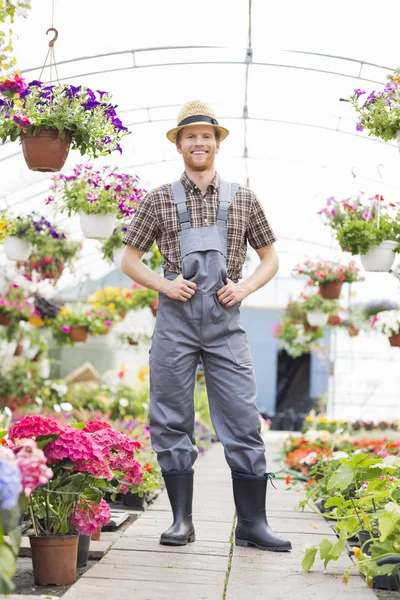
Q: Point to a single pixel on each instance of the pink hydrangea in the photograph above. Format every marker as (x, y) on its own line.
(31, 462)
(32, 426)
(81, 448)
(89, 516)
(92, 426)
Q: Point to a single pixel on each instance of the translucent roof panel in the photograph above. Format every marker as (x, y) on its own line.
(291, 139)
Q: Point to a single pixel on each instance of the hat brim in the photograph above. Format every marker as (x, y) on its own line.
(172, 133)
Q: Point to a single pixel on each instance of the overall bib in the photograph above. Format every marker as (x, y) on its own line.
(202, 327)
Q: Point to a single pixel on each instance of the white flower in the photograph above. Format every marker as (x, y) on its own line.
(66, 406)
(123, 402)
(309, 459)
(339, 454)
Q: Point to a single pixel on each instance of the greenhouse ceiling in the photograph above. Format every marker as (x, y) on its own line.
(274, 73)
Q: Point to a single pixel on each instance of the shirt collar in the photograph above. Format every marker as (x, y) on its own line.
(189, 185)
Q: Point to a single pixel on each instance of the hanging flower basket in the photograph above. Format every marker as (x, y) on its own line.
(394, 340)
(353, 330)
(16, 248)
(97, 226)
(317, 318)
(379, 258)
(5, 320)
(310, 329)
(45, 152)
(78, 333)
(331, 290)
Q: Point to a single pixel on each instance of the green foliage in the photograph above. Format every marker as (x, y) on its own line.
(295, 339)
(318, 303)
(357, 237)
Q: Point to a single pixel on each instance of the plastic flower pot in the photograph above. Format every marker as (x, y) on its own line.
(316, 318)
(353, 330)
(54, 559)
(45, 152)
(83, 550)
(117, 256)
(331, 290)
(96, 535)
(309, 329)
(364, 537)
(5, 320)
(394, 340)
(133, 500)
(379, 258)
(78, 333)
(17, 249)
(98, 227)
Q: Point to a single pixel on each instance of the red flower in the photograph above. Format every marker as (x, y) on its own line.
(148, 468)
(288, 480)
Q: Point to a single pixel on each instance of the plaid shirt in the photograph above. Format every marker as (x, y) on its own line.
(157, 219)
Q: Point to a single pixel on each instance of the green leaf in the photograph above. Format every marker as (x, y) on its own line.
(333, 501)
(6, 585)
(339, 547)
(309, 557)
(7, 561)
(15, 539)
(342, 478)
(79, 425)
(3, 433)
(388, 521)
(325, 548)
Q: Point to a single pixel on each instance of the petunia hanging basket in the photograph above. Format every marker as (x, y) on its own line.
(317, 318)
(45, 152)
(98, 227)
(16, 248)
(331, 290)
(379, 258)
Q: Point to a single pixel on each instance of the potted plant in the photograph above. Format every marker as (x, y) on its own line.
(20, 384)
(99, 197)
(369, 228)
(388, 323)
(318, 309)
(143, 297)
(51, 118)
(118, 300)
(18, 244)
(15, 306)
(139, 492)
(52, 251)
(113, 248)
(379, 112)
(295, 339)
(74, 326)
(328, 275)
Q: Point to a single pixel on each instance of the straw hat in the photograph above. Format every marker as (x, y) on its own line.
(196, 113)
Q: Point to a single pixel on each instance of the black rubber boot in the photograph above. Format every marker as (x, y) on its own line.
(252, 529)
(180, 494)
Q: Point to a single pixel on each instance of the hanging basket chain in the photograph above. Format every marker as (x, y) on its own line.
(52, 56)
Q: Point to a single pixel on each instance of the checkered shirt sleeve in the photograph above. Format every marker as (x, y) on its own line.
(259, 232)
(143, 228)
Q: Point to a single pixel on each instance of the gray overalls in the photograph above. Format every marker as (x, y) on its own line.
(202, 327)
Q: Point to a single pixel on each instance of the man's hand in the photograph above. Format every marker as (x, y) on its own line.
(180, 289)
(231, 293)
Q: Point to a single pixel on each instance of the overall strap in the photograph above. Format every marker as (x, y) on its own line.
(179, 196)
(227, 192)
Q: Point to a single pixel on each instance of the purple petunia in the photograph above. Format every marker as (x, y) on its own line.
(359, 127)
(359, 92)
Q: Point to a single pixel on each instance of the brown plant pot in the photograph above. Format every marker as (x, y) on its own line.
(78, 333)
(153, 310)
(331, 290)
(394, 340)
(133, 343)
(353, 330)
(18, 350)
(54, 559)
(45, 152)
(310, 328)
(5, 320)
(96, 535)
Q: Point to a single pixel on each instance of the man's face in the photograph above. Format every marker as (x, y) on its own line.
(198, 146)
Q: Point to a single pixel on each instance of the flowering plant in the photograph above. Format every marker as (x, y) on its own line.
(295, 339)
(8, 10)
(97, 322)
(320, 272)
(379, 112)
(16, 305)
(88, 117)
(143, 297)
(374, 307)
(96, 192)
(6, 225)
(20, 384)
(151, 475)
(318, 303)
(388, 322)
(119, 300)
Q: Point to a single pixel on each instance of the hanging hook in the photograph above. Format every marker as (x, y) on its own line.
(53, 41)
(379, 170)
(353, 172)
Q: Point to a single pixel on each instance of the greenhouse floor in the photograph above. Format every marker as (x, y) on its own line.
(213, 568)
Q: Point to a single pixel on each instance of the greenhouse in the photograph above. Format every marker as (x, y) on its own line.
(199, 300)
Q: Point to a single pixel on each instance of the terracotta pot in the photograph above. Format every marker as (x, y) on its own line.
(153, 310)
(18, 350)
(331, 290)
(133, 342)
(310, 329)
(78, 333)
(54, 559)
(45, 152)
(96, 535)
(353, 330)
(394, 340)
(5, 320)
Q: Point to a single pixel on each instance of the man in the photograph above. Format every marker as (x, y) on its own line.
(201, 225)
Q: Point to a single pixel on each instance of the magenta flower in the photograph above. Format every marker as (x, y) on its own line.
(109, 323)
(89, 516)
(66, 328)
(31, 462)
(367, 216)
(32, 426)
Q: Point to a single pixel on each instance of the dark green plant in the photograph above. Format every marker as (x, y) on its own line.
(357, 237)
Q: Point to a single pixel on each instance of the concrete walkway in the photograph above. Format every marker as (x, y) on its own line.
(213, 568)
